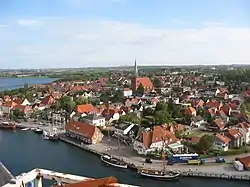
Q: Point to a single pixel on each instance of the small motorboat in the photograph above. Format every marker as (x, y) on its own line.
(25, 129)
(38, 131)
(46, 137)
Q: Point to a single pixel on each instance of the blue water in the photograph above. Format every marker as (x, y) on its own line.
(12, 83)
(22, 151)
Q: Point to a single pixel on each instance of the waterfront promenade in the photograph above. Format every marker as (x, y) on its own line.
(212, 170)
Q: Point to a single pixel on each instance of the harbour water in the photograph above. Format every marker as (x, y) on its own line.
(22, 151)
(12, 83)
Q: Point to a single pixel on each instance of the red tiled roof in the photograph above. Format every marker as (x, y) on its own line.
(223, 138)
(243, 125)
(103, 182)
(47, 100)
(145, 81)
(225, 109)
(213, 103)
(108, 113)
(161, 134)
(235, 133)
(147, 139)
(86, 108)
(220, 123)
(233, 106)
(82, 127)
(9, 104)
(195, 139)
(18, 101)
(78, 88)
(221, 113)
(245, 161)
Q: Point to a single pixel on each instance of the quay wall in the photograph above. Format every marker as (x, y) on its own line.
(215, 171)
(99, 153)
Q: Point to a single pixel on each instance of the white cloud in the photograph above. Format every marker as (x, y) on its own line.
(78, 43)
(3, 26)
(29, 23)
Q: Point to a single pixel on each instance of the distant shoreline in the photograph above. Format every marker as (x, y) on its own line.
(14, 83)
(15, 77)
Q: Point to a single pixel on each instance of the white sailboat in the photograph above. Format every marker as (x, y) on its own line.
(160, 174)
(113, 161)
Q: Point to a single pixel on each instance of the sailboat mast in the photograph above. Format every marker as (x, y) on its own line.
(163, 155)
(119, 147)
(109, 146)
(109, 149)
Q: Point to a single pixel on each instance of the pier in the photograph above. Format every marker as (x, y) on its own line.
(216, 171)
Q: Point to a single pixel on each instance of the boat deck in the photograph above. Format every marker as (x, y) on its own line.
(5, 175)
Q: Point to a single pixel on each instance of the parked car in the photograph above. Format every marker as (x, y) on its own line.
(148, 160)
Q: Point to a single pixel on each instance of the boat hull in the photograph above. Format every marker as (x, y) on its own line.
(38, 131)
(7, 127)
(106, 161)
(161, 177)
(53, 138)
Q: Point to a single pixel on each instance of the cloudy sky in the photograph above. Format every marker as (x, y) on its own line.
(87, 33)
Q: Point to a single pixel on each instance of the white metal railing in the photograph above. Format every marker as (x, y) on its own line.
(37, 175)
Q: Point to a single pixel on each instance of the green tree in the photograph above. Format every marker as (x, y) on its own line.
(162, 117)
(105, 96)
(56, 105)
(81, 101)
(209, 118)
(157, 83)
(67, 103)
(161, 106)
(130, 118)
(148, 112)
(201, 112)
(205, 143)
(17, 113)
(140, 89)
(118, 96)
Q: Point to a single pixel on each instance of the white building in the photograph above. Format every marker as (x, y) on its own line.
(127, 92)
(95, 120)
(244, 129)
(221, 142)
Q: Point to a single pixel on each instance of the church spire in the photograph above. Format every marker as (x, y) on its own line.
(135, 69)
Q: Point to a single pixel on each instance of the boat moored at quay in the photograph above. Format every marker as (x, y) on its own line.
(115, 162)
(8, 125)
(220, 171)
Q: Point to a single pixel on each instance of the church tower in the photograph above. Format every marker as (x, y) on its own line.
(134, 78)
(135, 69)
